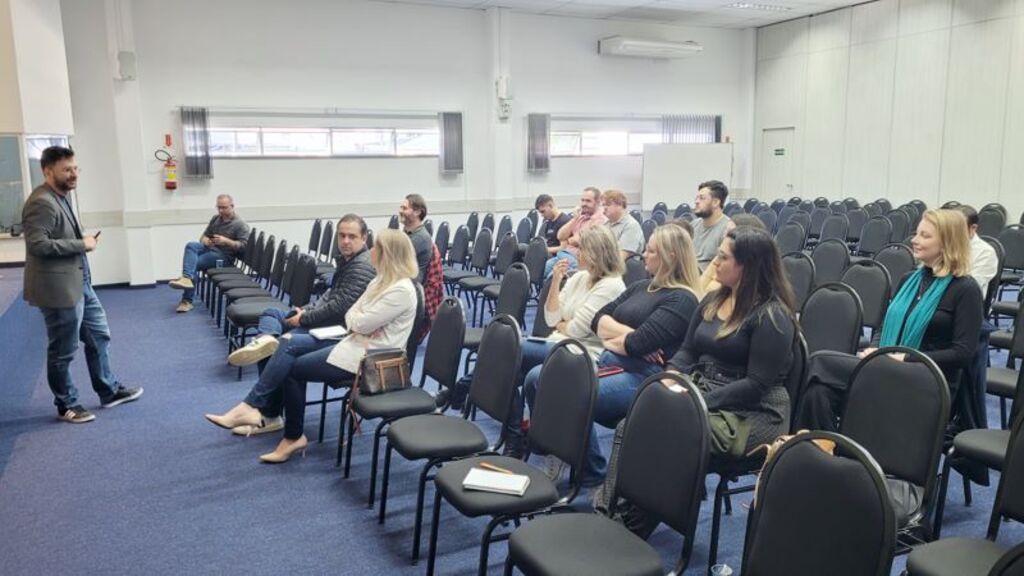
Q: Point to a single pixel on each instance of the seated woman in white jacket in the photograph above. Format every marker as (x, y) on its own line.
(383, 317)
(570, 309)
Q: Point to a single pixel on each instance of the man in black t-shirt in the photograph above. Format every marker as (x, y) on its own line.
(225, 237)
(554, 219)
(412, 212)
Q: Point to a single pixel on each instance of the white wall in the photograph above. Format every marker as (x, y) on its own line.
(361, 56)
(899, 98)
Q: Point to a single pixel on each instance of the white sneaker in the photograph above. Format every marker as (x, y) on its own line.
(266, 426)
(182, 283)
(259, 348)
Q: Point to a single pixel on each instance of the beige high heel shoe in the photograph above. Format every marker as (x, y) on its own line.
(280, 454)
(240, 415)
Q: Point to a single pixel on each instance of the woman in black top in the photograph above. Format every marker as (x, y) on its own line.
(638, 330)
(950, 335)
(739, 346)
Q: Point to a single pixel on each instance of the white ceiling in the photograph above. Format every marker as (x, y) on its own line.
(712, 13)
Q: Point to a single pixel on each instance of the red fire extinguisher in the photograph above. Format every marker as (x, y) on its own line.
(170, 166)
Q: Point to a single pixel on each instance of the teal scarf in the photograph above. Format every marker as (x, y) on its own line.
(914, 325)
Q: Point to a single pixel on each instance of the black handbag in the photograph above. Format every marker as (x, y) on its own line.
(383, 371)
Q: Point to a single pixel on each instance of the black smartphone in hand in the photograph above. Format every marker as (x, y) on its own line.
(97, 234)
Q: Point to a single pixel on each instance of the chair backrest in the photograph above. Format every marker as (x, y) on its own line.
(472, 224)
(749, 205)
(838, 207)
(266, 263)
(540, 327)
(421, 319)
(563, 410)
(807, 206)
(732, 208)
(799, 269)
(777, 205)
(635, 271)
(818, 216)
(897, 259)
(919, 205)
(900, 224)
(302, 281)
(659, 217)
(870, 280)
(898, 411)
(802, 218)
(884, 204)
(873, 209)
(504, 226)
(524, 230)
(660, 207)
(314, 236)
(514, 292)
(326, 242)
(769, 217)
(482, 247)
(851, 203)
(818, 513)
(796, 380)
(993, 285)
(835, 226)
(786, 213)
(1011, 563)
(1012, 238)
(254, 253)
(488, 221)
(460, 247)
(534, 217)
(991, 221)
(291, 263)
(637, 215)
(393, 222)
(497, 368)
(857, 217)
(369, 237)
(648, 226)
(915, 214)
(831, 259)
(441, 240)
(683, 208)
(428, 225)
(790, 238)
(277, 270)
(535, 258)
(508, 252)
(832, 318)
(444, 347)
(950, 205)
(1010, 494)
(876, 233)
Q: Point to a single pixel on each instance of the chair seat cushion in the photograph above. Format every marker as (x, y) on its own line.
(491, 292)
(985, 446)
(1009, 278)
(407, 402)
(472, 339)
(1001, 382)
(1001, 339)
(954, 557)
(250, 292)
(1005, 308)
(435, 436)
(477, 283)
(247, 312)
(225, 271)
(540, 494)
(906, 498)
(581, 544)
(455, 275)
(230, 283)
(324, 268)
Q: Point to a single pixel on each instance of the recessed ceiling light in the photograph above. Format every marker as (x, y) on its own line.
(763, 7)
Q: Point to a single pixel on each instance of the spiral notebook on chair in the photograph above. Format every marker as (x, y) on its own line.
(329, 332)
(497, 482)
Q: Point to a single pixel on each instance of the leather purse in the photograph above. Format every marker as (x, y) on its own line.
(383, 371)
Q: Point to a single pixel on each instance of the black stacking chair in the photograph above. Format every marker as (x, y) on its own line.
(884, 204)
(832, 318)
(428, 225)
(802, 218)
(732, 208)
(915, 212)
(458, 257)
(637, 215)
(659, 217)
(790, 238)
(243, 315)
(831, 259)
(995, 206)
(818, 513)
(231, 288)
(898, 411)
(393, 223)
(323, 252)
(951, 205)
(472, 224)
(856, 218)
(786, 213)
(471, 287)
(870, 280)
(524, 231)
(851, 203)
(540, 328)
(438, 438)
(487, 222)
(769, 218)
(807, 206)
(648, 226)
(1002, 382)
(799, 270)
(535, 259)
(369, 238)
(818, 217)
(898, 260)
(900, 224)
(327, 266)
(314, 236)
(964, 556)
(660, 207)
(504, 226)
(1012, 238)
(662, 461)
(559, 426)
(992, 290)
(838, 207)
(635, 271)
(872, 209)
(441, 240)
(534, 218)
(750, 204)
(777, 205)
(991, 221)
(730, 470)
(683, 208)
(876, 233)
(513, 294)
(246, 269)
(388, 406)
(1011, 563)
(479, 262)
(835, 226)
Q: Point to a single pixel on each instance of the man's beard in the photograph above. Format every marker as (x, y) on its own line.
(702, 213)
(65, 185)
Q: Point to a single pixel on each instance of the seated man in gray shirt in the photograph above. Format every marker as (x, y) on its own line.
(412, 213)
(225, 238)
(711, 224)
(625, 228)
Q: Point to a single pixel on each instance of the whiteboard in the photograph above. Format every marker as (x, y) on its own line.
(673, 171)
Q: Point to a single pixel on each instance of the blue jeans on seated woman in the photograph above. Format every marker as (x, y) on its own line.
(267, 394)
(311, 367)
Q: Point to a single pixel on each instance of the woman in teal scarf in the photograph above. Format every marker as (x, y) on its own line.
(937, 309)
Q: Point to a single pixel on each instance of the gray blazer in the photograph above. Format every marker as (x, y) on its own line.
(53, 252)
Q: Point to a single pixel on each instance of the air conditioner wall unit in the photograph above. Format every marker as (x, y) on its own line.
(642, 48)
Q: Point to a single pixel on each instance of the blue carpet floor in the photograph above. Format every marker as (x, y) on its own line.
(151, 487)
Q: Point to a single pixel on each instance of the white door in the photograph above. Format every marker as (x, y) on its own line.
(776, 164)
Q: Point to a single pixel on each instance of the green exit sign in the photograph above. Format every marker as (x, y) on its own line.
(780, 151)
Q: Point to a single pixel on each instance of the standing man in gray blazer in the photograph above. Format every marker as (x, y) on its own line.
(59, 283)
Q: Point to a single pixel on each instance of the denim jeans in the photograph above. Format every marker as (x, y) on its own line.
(198, 258)
(87, 321)
(272, 322)
(268, 393)
(311, 367)
(549, 266)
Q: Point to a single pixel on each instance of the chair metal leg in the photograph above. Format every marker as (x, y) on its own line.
(373, 463)
(384, 484)
(967, 491)
(351, 441)
(341, 434)
(323, 415)
(485, 543)
(421, 489)
(508, 566)
(716, 520)
(940, 502)
(728, 503)
(1002, 413)
(432, 547)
